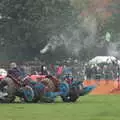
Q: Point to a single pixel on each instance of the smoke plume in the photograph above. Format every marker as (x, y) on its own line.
(74, 37)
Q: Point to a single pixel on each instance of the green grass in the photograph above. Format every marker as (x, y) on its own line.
(87, 108)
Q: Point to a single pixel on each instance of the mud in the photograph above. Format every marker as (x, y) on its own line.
(104, 86)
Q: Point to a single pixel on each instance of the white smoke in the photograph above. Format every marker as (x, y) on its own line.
(113, 49)
(53, 43)
(73, 38)
(90, 24)
(45, 49)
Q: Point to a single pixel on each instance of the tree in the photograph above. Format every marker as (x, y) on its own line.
(27, 25)
(103, 13)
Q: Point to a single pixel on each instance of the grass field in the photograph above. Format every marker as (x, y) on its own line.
(86, 108)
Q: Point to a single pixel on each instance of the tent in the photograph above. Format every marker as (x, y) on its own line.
(102, 59)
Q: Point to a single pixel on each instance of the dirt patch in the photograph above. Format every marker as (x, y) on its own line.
(104, 86)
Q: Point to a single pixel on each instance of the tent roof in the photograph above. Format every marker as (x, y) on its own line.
(102, 59)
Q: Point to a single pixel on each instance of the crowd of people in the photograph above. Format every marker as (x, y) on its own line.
(102, 71)
(69, 70)
(59, 68)
(75, 68)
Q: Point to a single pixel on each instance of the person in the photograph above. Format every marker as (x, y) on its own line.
(88, 72)
(16, 72)
(44, 70)
(68, 77)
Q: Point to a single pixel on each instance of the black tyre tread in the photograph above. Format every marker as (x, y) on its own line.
(72, 96)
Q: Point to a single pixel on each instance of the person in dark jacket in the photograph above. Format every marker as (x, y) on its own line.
(44, 70)
(16, 72)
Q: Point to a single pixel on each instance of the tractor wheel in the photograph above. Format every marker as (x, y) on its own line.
(72, 96)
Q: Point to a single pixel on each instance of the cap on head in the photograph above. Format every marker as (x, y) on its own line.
(44, 68)
(13, 65)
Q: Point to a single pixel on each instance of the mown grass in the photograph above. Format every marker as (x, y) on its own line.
(86, 108)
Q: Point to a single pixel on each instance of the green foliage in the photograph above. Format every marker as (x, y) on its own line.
(26, 25)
